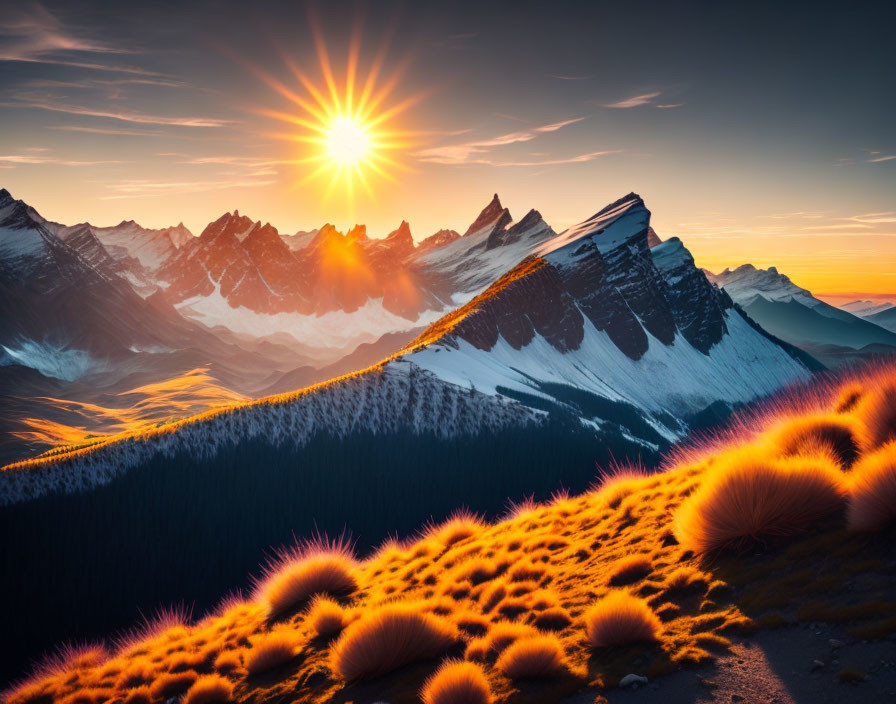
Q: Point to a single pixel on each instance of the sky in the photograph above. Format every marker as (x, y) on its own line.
(757, 132)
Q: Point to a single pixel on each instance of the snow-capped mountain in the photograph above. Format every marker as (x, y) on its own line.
(63, 300)
(335, 289)
(746, 283)
(625, 341)
(795, 315)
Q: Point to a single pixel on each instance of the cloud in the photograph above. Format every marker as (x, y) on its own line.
(571, 78)
(670, 106)
(110, 130)
(137, 188)
(637, 101)
(470, 152)
(33, 34)
(878, 159)
(578, 159)
(11, 160)
(869, 219)
(138, 118)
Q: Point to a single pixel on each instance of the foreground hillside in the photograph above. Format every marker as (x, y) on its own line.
(784, 519)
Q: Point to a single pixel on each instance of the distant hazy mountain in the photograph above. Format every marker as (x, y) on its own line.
(863, 309)
(794, 314)
(885, 318)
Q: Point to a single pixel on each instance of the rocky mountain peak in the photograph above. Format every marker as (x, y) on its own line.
(438, 239)
(490, 216)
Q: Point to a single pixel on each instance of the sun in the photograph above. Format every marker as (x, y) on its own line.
(347, 128)
(348, 142)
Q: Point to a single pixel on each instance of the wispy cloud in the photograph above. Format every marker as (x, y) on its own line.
(636, 101)
(571, 78)
(32, 34)
(870, 219)
(137, 188)
(670, 106)
(124, 116)
(472, 151)
(577, 159)
(11, 160)
(878, 159)
(109, 130)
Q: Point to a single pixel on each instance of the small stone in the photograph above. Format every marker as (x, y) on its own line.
(817, 665)
(834, 643)
(632, 680)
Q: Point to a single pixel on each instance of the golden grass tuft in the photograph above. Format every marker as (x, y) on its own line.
(872, 500)
(533, 658)
(460, 525)
(621, 619)
(457, 682)
(848, 397)
(877, 411)
(631, 569)
(553, 618)
(748, 496)
(228, 661)
(388, 638)
(804, 435)
(326, 617)
(271, 650)
(209, 689)
(138, 695)
(295, 575)
(172, 684)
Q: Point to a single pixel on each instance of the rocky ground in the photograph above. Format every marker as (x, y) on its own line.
(809, 664)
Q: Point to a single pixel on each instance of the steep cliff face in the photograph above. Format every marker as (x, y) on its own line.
(697, 307)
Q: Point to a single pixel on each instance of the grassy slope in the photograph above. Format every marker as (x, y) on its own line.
(564, 554)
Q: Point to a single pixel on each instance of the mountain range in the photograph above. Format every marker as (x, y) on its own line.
(833, 335)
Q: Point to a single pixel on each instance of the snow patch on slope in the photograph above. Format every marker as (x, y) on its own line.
(676, 378)
(51, 360)
(332, 329)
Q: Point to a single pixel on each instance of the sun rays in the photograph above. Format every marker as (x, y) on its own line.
(346, 125)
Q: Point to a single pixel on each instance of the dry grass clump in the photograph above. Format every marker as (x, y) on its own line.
(228, 661)
(325, 616)
(872, 500)
(316, 567)
(877, 411)
(172, 684)
(621, 619)
(748, 496)
(533, 658)
(457, 682)
(209, 689)
(460, 525)
(848, 397)
(138, 695)
(619, 482)
(388, 638)
(838, 433)
(271, 650)
(554, 618)
(685, 578)
(630, 569)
